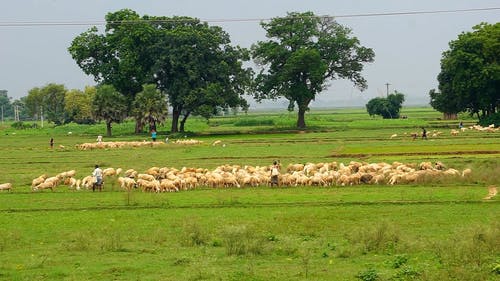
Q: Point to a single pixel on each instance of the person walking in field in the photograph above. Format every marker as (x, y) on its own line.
(275, 172)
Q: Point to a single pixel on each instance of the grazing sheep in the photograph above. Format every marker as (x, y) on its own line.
(126, 183)
(466, 172)
(394, 135)
(38, 180)
(6, 186)
(217, 142)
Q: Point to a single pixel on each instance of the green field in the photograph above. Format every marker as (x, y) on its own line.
(439, 229)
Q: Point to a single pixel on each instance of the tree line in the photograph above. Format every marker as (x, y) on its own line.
(143, 65)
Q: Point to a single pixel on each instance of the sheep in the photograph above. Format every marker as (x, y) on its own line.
(72, 183)
(45, 185)
(109, 172)
(6, 186)
(88, 182)
(466, 172)
(38, 180)
(217, 142)
(126, 183)
(393, 136)
(146, 177)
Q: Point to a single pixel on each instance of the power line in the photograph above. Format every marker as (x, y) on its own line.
(87, 23)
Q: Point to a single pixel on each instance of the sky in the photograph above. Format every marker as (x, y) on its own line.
(407, 48)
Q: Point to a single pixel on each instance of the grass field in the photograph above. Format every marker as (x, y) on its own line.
(437, 230)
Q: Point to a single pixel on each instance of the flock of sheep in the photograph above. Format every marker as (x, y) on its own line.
(165, 179)
(435, 133)
(121, 144)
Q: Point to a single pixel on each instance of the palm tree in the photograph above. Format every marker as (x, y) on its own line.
(150, 106)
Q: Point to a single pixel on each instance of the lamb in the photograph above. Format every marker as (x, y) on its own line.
(6, 186)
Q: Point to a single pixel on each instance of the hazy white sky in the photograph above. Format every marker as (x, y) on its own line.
(407, 48)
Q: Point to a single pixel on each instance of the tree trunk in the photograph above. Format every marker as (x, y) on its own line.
(183, 121)
(108, 128)
(139, 126)
(175, 120)
(301, 120)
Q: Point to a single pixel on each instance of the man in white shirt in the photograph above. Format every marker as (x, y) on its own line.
(97, 174)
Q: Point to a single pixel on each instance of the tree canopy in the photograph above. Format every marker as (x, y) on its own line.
(388, 107)
(470, 73)
(193, 63)
(150, 105)
(109, 105)
(303, 53)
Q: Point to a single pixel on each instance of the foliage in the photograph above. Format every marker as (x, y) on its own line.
(491, 119)
(199, 70)
(388, 107)
(150, 106)
(109, 105)
(470, 74)
(193, 63)
(21, 125)
(305, 52)
(53, 102)
(368, 275)
(6, 105)
(78, 105)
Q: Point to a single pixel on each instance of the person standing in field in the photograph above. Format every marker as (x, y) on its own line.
(51, 143)
(99, 139)
(275, 172)
(97, 174)
(153, 135)
(424, 133)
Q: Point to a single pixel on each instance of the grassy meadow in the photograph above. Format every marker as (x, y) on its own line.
(435, 230)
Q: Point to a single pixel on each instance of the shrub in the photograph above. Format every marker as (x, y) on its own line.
(492, 119)
(240, 240)
(368, 275)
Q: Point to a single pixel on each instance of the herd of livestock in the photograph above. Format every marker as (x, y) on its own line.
(169, 179)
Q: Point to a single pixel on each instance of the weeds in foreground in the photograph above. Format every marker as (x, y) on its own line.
(381, 238)
(242, 240)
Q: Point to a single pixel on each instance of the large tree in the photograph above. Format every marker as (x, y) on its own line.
(470, 73)
(199, 70)
(5, 105)
(78, 105)
(303, 53)
(150, 105)
(388, 107)
(109, 105)
(121, 56)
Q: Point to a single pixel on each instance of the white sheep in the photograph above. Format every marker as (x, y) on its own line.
(6, 186)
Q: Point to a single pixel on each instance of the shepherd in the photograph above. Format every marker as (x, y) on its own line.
(97, 174)
(275, 172)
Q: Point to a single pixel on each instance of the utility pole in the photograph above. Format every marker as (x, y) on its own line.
(387, 86)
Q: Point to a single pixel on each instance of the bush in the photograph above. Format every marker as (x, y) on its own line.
(492, 119)
(21, 126)
(240, 240)
(368, 275)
